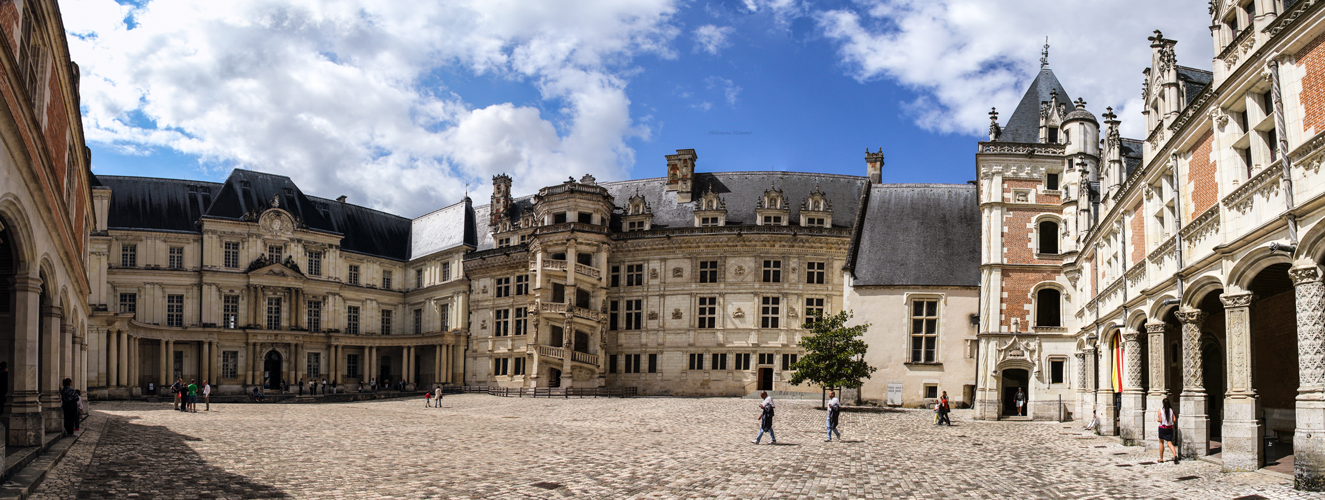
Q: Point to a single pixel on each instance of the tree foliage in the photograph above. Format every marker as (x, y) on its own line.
(834, 354)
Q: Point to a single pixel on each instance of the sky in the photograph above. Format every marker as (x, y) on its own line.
(407, 106)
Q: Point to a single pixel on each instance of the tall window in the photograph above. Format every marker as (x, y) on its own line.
(176, 258)
(522, 284)
(314, 263)
(613, 312)
(696, 361)
(129, 255)
(768, 312)
(521, 321)
(814, 273)
(386, 322)
(788, 360)
(719, 362)
(352, 320)
(1048, 237)
(634, 274)
(275, 253)
(708, 271)
(1047, 307)
(743, 361)
(517, 366)
(632, 363)
(814, 308)
(354, 274)
(352, 366)
(634, 314)
(653, 363)
(616, 276)
(446, 271)
(501, 322)
(129, 303)
(924, 330)
(418, 278)
(230, 311)
(232, 254)
(314, 364)
(772, 271)
(175, 310)
(418, 321)
(32, 60)
(503, 287)
(314, 316)
(386, 280)
(229, 364)
(708, 312)
(444, 316)
(501, 366)
(273, 313)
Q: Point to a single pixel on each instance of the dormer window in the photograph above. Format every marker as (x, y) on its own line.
(638, 215)
(772, 220)
(816, 211)
(772, 208)
(1053, 135)
(710, 210)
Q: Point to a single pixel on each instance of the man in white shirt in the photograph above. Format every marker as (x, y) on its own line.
(207, 395)
(766, 419)
(833, 408)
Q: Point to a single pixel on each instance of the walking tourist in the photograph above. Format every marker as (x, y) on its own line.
(177, 389)
(372, 384)
(944, 410)
(766, 419)
(1021, 403)
(833, 409)
(207, 395)
(69, 404)
(193, 396)
(1166, 420)
(324, 387)
(427, 400)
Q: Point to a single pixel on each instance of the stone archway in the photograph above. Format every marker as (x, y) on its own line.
(1012, 380)
(271, 370)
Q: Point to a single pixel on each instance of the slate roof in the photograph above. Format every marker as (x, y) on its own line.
(1024, 125)
(444, 229)
(1193, 82)
(1131, 151)
(152, 204)
(918, 235)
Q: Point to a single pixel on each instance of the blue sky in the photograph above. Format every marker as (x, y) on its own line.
(402, 107)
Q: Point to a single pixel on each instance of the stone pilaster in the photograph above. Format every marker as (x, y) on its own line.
(1159, 389)
(1083, 412)
(1243, 436)
(1309, 437)
(1193, 422)
(1132, 414)
(1104, 402)
(25, 422)
(1090, 381)
(51, 369)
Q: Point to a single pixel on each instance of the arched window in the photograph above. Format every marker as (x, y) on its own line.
(1048, 237)
(1048, 308)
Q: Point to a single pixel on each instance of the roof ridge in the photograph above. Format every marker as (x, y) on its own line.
(328, 200)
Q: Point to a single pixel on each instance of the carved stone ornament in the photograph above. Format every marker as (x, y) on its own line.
(738, 313)
(485, 290)
(653, 274)
(1021, 197)
(740, 271)
(678, 272)
(1302, 275)
(1239, 300)
(483, 324)
(676, 313)
(791, 312)
(276, 222)
(653, 315)
(1191, 316)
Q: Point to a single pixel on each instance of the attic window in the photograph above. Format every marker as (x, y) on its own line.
(289, 192)
(1052, 135)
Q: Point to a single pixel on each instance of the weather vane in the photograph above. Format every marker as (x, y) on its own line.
(1044, 54)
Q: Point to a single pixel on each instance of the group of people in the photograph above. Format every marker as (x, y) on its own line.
(186, 396)
(313, 387)
(428, 398)
(833, 408)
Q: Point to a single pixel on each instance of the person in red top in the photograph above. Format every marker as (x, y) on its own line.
(944, 410)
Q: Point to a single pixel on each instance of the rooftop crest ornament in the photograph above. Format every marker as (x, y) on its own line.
(1044, 54)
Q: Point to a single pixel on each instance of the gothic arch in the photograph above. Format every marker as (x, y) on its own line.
(1252, 264)
(1136, 320)
(1198, 289)
(1158, 309)
(18, 229)
(1312, 245)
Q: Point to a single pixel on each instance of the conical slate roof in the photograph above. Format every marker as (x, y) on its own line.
(1024, 126)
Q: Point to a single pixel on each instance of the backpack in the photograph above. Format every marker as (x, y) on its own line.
(68, 396)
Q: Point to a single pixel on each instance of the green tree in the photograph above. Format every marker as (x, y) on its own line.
(834, 354)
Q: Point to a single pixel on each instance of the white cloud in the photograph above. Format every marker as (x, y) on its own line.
(345, 97)
(730, 91)
(712, 39)
(964, 56)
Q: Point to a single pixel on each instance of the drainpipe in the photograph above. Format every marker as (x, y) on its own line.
(1177, 222)
(1284, 162)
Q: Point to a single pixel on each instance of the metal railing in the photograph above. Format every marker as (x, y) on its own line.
(563, 392)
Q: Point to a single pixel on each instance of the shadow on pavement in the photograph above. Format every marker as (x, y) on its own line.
(154, 461)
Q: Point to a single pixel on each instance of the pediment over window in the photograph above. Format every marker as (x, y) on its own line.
(710, 210)
(772, 209)
(816, 210)
(638, 216)
(262, 267)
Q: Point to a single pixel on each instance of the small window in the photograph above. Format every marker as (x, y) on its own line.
(708, 271)
(814, 309)
(177, 257)
(503, 242)
(275, 253)
(1048, 237)
(129, 303)
(709, 221)
(743, 361)
(772, 271)
(1053, 135)
(503, 287)
(517, 366)
(814, 273)
(586, 218)
(765, 358)
(232, 254)
(635, 275)
(708, 312)
(768, 312)
(522, 284)
(129, 255)
(1047, 307)
(719, 362)
(696, 361)
(559, 218)
(1051, 182)
(1056, 371)
(772, 220)
(354, 274)
(788, 360)
(931, 391)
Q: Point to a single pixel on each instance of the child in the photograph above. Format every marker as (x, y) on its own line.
(427, 400)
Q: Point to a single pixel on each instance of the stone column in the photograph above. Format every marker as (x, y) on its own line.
(122, 363)
(1104, 391)
(1082, 407)
(1309, 437)
(164, 368)
(25, 424)
(75, 357)
(1159, 363)
(134, 389)
(1091, 409)
(112, 359)
(251, 371)
(1243, 436)
(437, 365)
(370, 363)
(206, 365)
(67, 368)
(1193, 423)
(1132, 416)
(51, 369)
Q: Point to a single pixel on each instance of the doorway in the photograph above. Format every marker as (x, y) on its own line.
(384, 371)
(765, 379)
(271, 371)
(553, 377)
(1014, 380)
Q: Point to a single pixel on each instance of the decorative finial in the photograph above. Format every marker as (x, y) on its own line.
(1044, 54)
(993, 114)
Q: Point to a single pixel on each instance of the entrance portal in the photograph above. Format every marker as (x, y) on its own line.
(271, 370)
(384, 372)
(1014, 379)
(765, 379)
(554, 377)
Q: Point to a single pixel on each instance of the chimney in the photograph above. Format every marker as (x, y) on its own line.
(681, 173)
(874, 166)
(501, 198)
(341, 198)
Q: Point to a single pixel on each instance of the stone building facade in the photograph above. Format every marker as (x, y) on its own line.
(45, 216)
(1118, 273)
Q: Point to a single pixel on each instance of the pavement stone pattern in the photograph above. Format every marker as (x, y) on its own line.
(480, 446)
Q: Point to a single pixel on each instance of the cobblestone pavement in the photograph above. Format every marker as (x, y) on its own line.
(480, 446)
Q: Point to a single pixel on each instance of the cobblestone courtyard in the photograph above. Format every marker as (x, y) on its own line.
(480, 446)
